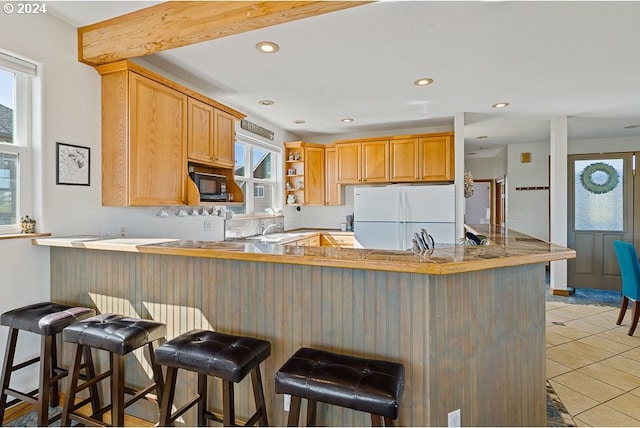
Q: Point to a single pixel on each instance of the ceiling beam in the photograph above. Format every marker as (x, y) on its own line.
(179, 23)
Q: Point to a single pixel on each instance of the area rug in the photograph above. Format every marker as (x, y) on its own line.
(30, 419)
(557, 415)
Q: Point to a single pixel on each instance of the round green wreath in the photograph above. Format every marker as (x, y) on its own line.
(607, 186)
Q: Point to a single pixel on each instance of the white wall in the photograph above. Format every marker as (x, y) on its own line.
(528, 210)
(25, 280)
(604, 145)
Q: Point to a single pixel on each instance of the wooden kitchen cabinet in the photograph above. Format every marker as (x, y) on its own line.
(436, 158)
(396, 159)
(333, 190)
(200, 132)
(403, 160)
(337, 239)
(314, 240)
(224, 139)
(144, 131)
(304, 173)
(211, 135)
(151, 128)
(375, 161)
(307, 241)
(349, 162)
(314, 175)
(363, 162)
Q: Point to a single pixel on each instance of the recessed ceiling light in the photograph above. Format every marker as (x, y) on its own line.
(631, 126)
(347, 120)
(266, 102)
(483, 148)
(267, 47)
(299, 121)
(424, 81)
(471, 153)
(481, 137)
(500, 105)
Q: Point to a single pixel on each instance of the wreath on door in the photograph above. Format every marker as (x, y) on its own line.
(598, 187)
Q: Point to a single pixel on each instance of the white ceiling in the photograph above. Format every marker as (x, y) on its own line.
(575, 59)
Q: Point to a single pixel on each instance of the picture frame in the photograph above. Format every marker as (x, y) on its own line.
(73, 165)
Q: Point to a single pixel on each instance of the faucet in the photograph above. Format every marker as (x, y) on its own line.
(267, 227)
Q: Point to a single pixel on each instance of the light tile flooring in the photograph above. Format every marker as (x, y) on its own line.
(592, 365)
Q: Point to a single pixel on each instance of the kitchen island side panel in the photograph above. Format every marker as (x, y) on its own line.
(473, 341)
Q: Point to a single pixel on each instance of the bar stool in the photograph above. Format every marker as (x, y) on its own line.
(45, 319)
(214, 354)
(372, 386)
(118, 335)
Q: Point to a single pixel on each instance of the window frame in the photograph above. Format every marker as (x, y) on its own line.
(251, 182)
(24, 73)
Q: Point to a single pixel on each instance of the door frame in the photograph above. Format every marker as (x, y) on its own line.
(500, 201)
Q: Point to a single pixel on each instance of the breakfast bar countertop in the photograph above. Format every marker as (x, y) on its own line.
(509, 248)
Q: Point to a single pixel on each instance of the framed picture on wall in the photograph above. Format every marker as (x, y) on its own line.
(72, 164)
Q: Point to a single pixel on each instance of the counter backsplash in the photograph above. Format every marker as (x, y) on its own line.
(243, 227)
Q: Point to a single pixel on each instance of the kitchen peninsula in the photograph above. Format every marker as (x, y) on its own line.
(468, 323)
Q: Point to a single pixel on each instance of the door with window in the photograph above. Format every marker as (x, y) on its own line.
(600, 211)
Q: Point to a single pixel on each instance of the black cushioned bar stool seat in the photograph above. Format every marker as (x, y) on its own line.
(367, 385)
(118, 335)
(208, 353)
(45, 319)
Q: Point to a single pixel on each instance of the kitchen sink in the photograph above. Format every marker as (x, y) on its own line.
(274, 237)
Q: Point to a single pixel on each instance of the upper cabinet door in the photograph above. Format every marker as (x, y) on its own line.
(224, 139)
(200, 132)
(403, 163)
(375, 161)
(436, 158)
(314, 175)
(157, 152)
(349, 162)
(332, 188)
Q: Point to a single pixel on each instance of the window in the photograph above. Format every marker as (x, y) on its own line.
(15, 123)
(255, 169)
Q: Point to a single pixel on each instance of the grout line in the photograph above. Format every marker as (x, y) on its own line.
(585, 317)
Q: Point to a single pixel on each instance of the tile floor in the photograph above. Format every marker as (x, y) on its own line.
(592, 365)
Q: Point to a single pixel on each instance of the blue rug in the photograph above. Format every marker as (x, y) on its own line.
(31, 419)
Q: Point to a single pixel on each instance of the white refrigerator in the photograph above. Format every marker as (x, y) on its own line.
(387, 217)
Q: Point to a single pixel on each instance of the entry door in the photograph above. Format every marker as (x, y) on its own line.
(600, 211)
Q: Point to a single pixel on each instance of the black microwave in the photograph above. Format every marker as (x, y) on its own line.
(212, 187)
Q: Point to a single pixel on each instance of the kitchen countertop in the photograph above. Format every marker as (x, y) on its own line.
(508, 248)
